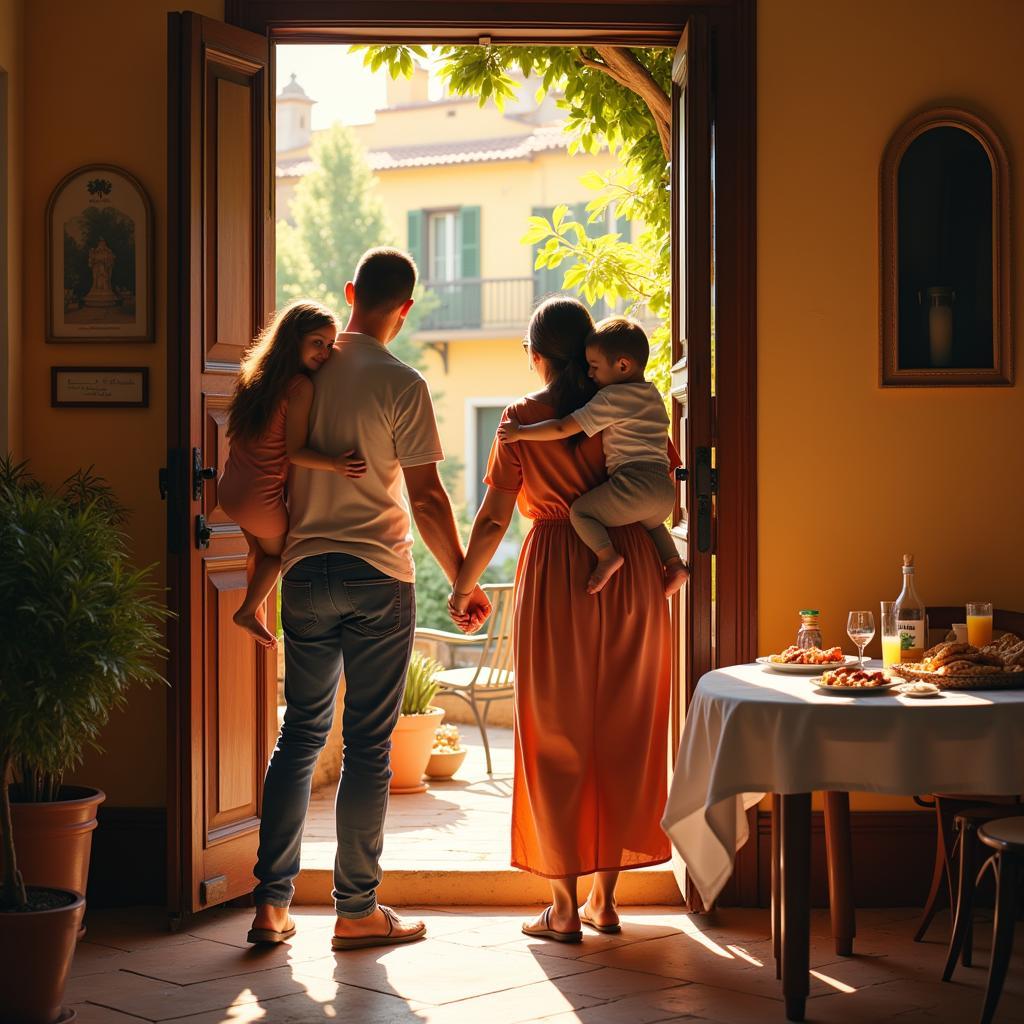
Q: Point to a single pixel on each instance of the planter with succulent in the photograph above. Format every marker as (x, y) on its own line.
(448, 754)
(414, 735)
(80, 625)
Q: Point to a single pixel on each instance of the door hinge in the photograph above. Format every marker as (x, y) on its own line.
(705, 484)
(203, 532)
(200, 474)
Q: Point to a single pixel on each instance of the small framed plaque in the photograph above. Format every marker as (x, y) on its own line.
(80, 387)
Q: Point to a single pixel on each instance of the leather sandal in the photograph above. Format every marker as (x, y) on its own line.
(260, 936)
(547, 932)
(389, 938)
(604, 929)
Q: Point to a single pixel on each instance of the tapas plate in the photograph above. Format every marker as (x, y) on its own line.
(849, 660)
(857, 690)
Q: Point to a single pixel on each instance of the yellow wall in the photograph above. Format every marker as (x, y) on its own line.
(851, 475)
(11, 63)
(90, 97)
(434, 122)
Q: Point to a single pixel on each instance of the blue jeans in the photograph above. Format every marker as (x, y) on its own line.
(336, 610)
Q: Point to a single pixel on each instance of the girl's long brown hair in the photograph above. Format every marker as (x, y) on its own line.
(558, 331)
(269, 364)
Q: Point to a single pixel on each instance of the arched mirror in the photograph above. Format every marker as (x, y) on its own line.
(945, 236)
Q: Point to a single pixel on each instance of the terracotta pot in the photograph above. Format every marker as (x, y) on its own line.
(411, 743)
(445, 764)
(53, 841)
(36, 949)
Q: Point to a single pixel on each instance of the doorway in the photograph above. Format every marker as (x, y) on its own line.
(225, 70)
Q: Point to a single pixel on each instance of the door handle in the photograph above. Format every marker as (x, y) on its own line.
(203, 532)
(682, 474)
(200, 474)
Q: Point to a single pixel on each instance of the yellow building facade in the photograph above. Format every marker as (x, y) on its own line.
(458, 183)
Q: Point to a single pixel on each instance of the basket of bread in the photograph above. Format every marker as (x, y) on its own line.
(959, 666)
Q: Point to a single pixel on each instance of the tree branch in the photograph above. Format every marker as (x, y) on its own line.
(619, 64)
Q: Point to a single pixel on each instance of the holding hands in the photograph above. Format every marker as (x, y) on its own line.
(469, 610)
(349, 464)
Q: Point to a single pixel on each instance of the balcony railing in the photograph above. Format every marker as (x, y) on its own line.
(490, 303)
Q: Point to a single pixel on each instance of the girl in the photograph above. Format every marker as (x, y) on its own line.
(268, 427)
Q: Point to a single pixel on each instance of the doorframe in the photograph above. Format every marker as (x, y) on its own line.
(732, 26)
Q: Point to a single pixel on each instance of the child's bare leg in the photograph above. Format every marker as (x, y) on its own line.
(266, 564)
(584, 516)
(676, 573)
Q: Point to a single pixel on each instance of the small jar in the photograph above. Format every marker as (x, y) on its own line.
(809, 633)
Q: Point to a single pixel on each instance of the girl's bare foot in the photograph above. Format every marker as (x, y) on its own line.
(251, 624)
(552, 919)
(676, 574)
(600, 918)
(605, 569)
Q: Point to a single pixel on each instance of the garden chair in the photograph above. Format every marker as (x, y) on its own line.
(491, 678)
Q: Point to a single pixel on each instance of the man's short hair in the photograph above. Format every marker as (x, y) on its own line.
(618, 336)
(384, 279)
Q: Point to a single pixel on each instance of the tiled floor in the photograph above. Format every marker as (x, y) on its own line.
(476, 968)
(462, 823)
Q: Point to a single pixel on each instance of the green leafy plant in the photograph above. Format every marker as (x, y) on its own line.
(80, 625)
(420, 687)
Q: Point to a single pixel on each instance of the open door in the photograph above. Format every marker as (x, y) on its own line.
(692, 263)
(223, 701)
(692, 386)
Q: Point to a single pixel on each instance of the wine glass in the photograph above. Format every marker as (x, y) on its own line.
(860, 627)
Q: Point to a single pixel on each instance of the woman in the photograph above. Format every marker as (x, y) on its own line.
(592, 672)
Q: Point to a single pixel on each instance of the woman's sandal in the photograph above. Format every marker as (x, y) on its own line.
(387, 939)
(260, 936)
(604, 929)
(547, 932)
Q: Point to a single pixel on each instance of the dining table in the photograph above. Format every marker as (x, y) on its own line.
(751, 731)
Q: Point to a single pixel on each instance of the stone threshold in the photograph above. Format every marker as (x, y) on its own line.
(487, 886)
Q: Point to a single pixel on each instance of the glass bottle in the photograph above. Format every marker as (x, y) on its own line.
(911, 623)
(809, 633)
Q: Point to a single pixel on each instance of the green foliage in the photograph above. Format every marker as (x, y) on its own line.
(80, 626)
(420, 687)
(599, 113)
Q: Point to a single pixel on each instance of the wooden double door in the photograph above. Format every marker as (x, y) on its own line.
(223, 702)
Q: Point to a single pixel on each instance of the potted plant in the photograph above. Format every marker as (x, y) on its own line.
(448, 753)
(414, 735)
(80, 625)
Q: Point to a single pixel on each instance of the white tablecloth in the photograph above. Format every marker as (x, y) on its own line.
(750, 732)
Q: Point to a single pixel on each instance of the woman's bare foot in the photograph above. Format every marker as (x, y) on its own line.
(251, 624)
(599, 917)
(383, 924)
(676, 574)
(553, 919)
(605, 569)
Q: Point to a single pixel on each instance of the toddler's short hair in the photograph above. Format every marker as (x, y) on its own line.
(618, 336)
(384, 279)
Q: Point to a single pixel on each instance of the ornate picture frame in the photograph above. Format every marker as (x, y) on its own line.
(99, 258)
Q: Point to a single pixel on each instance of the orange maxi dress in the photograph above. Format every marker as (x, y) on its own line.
(592, 674)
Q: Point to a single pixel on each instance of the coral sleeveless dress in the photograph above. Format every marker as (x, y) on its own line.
(592, 674)
(252, 489)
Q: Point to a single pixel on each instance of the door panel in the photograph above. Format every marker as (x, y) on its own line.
(224, 714)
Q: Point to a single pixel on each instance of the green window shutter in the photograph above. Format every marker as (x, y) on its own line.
(469, 265)
(416, 241)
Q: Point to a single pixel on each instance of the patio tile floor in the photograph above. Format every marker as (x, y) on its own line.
(475, 967)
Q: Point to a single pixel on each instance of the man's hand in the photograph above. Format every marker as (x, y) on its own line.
(469, 611)
(510, 430)
(349, 464)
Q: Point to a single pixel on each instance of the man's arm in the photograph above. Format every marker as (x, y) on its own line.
(546, 430)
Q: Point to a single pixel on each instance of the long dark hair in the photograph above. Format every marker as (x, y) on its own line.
(558, 331)
(269, 363)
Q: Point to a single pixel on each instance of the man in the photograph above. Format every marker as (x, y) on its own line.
(348, 599)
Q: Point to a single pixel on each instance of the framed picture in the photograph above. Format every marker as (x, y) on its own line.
(99, 258)
(81, 387)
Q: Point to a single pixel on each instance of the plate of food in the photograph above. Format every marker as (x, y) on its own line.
(804, 661)
(855, 681)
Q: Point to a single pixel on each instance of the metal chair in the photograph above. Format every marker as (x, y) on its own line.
(492, 677)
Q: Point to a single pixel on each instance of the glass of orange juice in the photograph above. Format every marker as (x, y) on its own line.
(979, 623)
(890, 635)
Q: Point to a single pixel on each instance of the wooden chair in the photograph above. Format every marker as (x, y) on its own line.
(948, 805)
(1004, 836)
(492, 677)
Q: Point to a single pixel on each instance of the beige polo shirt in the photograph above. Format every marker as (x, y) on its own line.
(367, 399)
(633, 420)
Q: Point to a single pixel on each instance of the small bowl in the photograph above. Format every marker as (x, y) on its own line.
(445, 764)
